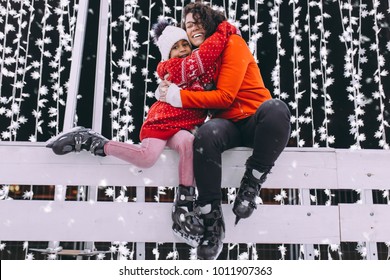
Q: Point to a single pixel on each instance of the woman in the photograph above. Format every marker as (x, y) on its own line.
(244, 114)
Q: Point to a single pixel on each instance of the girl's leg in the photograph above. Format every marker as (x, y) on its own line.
(186, 224)
(182, 142)
(144, 155)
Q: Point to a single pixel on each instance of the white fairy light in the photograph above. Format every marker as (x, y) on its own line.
(145, 70)
(274, 29)
(378, 76)
(352, 68)
(123, 83)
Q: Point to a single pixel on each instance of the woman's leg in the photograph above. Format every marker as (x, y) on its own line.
(144, 155)
(183, 142)
(268, 132)
(211, 139)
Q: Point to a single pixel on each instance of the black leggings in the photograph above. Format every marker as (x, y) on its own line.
(267, 132)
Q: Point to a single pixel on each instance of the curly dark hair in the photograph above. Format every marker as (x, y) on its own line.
(204, 15)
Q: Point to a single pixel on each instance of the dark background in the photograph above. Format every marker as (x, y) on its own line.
(338, 125)
(266, 53)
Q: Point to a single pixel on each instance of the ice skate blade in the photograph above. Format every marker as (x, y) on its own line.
(186, 238)
(237, 220)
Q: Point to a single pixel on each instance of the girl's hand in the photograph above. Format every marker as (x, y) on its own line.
(163, 90)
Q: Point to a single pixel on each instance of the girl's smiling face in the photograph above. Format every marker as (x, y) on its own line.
(180, 49)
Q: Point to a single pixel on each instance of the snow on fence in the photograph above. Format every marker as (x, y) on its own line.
(303, 169)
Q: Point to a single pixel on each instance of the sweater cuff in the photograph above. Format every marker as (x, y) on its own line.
(173, 96)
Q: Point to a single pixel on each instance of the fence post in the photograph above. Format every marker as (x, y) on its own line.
(59, 195)
(100, 67)
(308, 248)
(140, 246)
(75, 68)
(371, 247)
(90, 196)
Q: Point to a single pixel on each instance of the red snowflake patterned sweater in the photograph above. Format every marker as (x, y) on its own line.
(193, 72)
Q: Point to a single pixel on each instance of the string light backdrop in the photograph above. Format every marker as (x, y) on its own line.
(327, 60)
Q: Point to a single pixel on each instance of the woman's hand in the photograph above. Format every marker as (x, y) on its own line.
(169, 93)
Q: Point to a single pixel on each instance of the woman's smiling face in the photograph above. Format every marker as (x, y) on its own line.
(195, 31)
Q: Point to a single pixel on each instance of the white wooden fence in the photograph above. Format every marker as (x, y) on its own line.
(302, 169)
(297, 168)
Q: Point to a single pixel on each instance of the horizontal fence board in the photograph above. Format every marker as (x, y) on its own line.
(294, 224)
(363, 169)
(151, 222)
(294, 169)
(369, 223)
(38, 165)
(27, 163)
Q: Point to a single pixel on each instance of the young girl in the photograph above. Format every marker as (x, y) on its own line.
(165, 125)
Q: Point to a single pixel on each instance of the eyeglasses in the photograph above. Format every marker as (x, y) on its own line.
(190, 25)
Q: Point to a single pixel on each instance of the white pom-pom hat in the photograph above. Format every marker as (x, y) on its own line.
(168, 38)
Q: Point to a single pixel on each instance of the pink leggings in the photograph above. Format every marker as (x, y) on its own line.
(147, 153)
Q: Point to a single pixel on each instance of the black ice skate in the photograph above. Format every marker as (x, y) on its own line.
(211, 243)
(186, 223)
(245, 201)
(77, 139)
